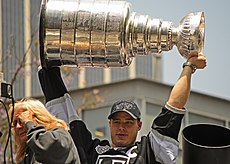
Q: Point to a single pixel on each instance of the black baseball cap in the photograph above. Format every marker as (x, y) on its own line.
(125, 106)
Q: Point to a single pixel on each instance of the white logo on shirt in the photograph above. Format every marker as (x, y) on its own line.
(102, 149)
(112, 159)
(116, 159)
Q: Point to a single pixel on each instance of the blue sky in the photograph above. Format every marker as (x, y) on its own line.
(214, 80)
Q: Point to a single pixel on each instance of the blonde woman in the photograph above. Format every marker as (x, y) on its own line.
(40, 137)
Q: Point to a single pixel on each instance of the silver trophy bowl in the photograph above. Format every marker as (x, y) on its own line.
(106, 33)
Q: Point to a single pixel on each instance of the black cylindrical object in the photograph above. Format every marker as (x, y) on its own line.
(206, 144)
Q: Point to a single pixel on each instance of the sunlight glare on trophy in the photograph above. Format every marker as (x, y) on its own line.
(105, 33)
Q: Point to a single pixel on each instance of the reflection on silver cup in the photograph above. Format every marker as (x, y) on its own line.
(106, 33)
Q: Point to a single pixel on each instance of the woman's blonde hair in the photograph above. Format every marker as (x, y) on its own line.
(41, 117)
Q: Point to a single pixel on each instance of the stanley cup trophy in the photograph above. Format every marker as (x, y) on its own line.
(106, 33)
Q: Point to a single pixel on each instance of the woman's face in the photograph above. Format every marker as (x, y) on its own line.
(19, 127)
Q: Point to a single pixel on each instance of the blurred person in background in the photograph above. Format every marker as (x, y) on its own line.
(41, 137)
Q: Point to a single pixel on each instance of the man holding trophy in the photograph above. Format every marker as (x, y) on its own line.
(159, 146)
(107, 37)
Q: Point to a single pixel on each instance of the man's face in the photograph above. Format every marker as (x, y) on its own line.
(123, 129)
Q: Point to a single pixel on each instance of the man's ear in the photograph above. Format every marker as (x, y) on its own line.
(139, 125)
